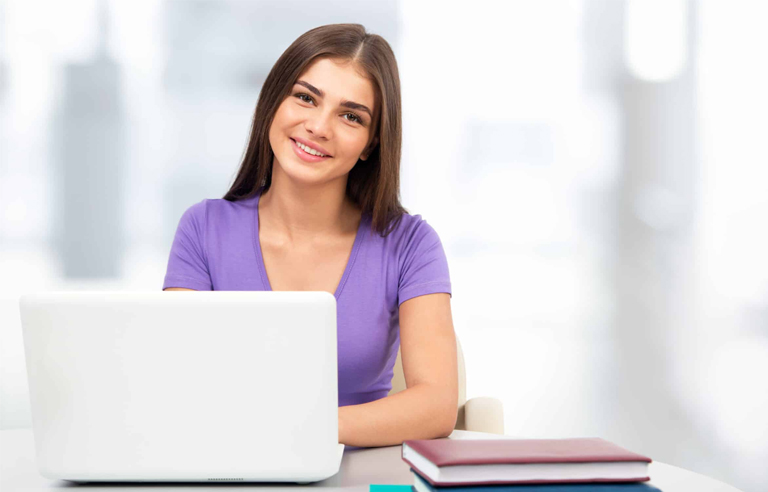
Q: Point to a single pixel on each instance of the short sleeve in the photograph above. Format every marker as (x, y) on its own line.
(188, 264)
(424, 266)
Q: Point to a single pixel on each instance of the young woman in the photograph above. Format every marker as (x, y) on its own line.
(315, 207)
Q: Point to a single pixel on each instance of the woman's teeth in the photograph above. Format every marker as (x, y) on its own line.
(309, 150)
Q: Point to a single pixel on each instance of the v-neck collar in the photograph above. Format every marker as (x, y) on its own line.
(260, 257)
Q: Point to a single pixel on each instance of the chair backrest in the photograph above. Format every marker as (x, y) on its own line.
(398, 383)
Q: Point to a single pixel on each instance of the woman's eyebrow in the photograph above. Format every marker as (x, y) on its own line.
(346, 104)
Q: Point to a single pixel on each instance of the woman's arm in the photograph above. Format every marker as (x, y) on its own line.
(427, 409)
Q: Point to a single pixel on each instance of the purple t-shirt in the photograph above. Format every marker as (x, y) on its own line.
(216, 247)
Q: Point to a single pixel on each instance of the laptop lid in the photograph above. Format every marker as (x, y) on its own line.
(183, 386)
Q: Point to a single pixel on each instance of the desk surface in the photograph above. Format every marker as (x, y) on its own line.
(360, 467)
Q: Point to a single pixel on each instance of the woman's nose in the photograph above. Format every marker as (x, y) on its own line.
(319, 125)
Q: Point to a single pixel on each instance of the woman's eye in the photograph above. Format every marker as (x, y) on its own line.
(355, 119)
(301, 97)
(308, 99)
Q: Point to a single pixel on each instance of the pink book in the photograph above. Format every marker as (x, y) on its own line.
(446, 462)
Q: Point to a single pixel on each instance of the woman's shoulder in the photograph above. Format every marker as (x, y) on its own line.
(409, 225)
(243, 205)
(217, 216)
(219, 207)
(407, 229)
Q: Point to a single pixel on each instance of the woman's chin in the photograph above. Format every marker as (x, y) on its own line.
(302, 173)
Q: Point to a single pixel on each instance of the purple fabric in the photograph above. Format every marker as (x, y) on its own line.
(216, 247)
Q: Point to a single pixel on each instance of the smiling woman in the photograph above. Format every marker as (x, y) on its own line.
(343, 71)
(308, 124)
(315, 207)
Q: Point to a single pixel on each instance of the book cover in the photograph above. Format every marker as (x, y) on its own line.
(422, 485)
(452, 463)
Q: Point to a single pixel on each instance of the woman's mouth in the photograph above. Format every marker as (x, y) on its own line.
(306, 156)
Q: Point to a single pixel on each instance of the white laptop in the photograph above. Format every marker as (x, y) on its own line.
(183, 386)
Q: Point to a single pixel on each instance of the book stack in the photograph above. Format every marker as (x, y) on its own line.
(522, 465)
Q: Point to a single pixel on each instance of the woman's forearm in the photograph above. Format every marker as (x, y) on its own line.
(422, 411)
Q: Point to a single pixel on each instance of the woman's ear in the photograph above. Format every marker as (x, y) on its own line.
(370, 148)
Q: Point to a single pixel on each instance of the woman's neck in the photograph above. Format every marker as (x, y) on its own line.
(299, 214)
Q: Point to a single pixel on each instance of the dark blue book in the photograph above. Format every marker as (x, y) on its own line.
(421, 485)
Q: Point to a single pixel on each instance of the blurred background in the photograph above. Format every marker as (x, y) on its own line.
(596, 170)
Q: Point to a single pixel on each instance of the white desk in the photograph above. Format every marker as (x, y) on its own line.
(359, 468)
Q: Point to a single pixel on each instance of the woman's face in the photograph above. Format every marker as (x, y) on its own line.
(330, 109)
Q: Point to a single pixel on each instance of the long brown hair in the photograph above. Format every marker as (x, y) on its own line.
(373, 184)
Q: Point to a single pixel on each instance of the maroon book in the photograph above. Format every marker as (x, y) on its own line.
(454, 462)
